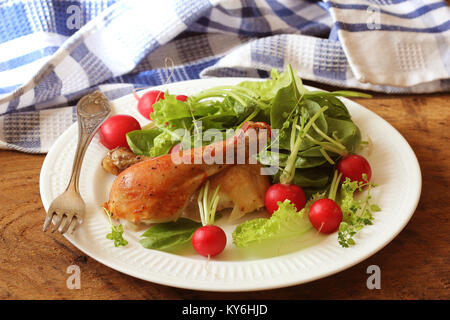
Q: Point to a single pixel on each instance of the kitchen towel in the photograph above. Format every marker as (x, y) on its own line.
(54, 52)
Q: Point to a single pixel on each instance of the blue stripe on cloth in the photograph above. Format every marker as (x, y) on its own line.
(236, 72)
(74, 96)
(13, 23)
(69, 16)
(269, 51)
(387, 2)
(410, 15)
(64, 17)
(119, 92)
(27, 58)
(193, 48)
(441, 42)
(244, 12)
(22, 129)
(334, 36)
(361, 27)
(204, 22)
(9, 89)
(330, 60)
(95, 69)
(47, 88)
(12, 105)
(252, 19)
(159, 76)
(298, 22)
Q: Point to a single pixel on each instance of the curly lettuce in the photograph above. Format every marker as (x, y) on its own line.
(286, 222)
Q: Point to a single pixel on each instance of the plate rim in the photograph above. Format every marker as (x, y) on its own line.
(201, 285)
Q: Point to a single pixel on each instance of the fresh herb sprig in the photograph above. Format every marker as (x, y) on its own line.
(116, 232)
(356, 213)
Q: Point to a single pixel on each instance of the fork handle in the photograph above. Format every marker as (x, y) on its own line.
(92, 110)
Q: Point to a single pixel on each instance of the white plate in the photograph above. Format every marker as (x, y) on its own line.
(285, 263)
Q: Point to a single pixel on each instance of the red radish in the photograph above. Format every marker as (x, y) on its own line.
(353, 167)
(280, 192)
(325, 215)
(209, 240)
(182, 97)
(145, 103)
(113, 131)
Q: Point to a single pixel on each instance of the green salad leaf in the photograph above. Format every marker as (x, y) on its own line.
(285, 101)
(166, 236)
(268, 89)
(286, 222)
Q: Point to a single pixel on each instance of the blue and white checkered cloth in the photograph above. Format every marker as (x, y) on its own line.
(52, 52)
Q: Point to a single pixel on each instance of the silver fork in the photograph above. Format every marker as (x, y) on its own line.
(67, 210)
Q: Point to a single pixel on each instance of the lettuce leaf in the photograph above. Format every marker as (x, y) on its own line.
(286, 222)
(165, 236)
(268, 89)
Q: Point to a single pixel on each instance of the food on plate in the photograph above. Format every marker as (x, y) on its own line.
(208, 240)
(354, 167)
(242, 189)
(116, 233)
(158, 189)
(306, 148)
(325, 214)
(113, 131)
(119, 159)
(285, 222)
(146, 102)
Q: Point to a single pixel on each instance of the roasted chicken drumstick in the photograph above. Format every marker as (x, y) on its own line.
(154, 190)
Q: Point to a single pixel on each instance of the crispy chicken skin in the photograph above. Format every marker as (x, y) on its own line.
(159, 189)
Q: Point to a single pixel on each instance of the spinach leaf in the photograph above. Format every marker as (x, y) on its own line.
(336, 108)
(284, 102)
(142, 141)
(311, 152)
(346, 131)
(165, 236)
(317, 177)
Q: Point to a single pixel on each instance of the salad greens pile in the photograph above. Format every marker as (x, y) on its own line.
(283, 102)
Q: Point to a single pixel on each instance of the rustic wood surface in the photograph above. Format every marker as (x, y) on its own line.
(415, 265)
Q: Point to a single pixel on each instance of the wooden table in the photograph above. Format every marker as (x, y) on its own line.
(415, 265)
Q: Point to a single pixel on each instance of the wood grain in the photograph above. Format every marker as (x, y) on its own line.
(415, 265)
